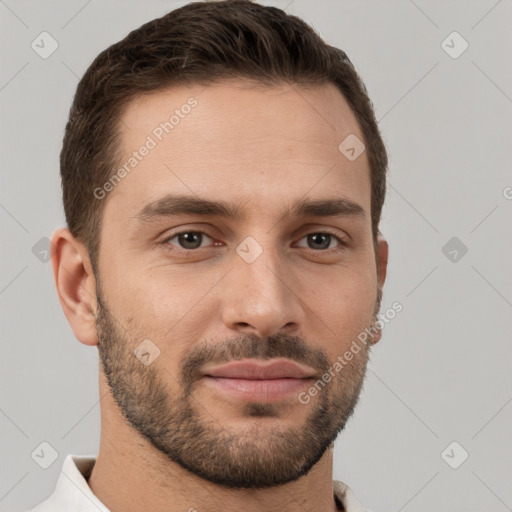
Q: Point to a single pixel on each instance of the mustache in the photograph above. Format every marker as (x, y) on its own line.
(251, 346)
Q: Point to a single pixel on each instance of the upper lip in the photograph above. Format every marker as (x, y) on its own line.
(250, 369)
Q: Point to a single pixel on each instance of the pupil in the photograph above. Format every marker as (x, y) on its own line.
(325, 238)
(190, 238)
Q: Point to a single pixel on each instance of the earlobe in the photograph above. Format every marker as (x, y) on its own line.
(76, 285)
(382, 265)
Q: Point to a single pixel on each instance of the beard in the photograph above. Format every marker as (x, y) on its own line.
(257, 456)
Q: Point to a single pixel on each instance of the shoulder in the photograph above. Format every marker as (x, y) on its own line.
(71, 490)
(347, 497)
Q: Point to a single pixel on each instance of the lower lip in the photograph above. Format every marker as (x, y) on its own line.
(264, 390)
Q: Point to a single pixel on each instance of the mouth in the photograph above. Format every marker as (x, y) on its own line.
(264, 381)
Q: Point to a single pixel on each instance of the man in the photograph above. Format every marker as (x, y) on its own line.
(223, 180)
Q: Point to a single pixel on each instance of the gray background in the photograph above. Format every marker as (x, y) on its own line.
(440, 374)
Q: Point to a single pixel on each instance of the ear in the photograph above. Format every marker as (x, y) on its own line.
(381, 254)
(76, 285)
(382, 260)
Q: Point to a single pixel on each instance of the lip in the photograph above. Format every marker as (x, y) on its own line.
(267, 381)
(258, 390)
(261, 370)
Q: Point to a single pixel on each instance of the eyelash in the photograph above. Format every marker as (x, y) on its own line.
(341, 241)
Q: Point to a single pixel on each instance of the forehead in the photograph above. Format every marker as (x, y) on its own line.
(238, 140)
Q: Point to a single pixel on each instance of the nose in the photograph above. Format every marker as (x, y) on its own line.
(262, 297)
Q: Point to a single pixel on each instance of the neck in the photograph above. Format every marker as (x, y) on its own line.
(129, 472)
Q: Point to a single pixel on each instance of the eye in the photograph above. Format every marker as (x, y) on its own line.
(193, 240)
(188, 240)
(322, 240)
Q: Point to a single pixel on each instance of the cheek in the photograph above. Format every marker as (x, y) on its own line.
(168, 310)
(341, 306)
(345, 313)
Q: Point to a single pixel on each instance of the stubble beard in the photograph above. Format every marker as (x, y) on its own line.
(259, 455)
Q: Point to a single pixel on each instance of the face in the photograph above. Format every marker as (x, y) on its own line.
(236, 266)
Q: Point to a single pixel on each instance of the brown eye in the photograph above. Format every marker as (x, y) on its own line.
(322, 241)
(188, 240)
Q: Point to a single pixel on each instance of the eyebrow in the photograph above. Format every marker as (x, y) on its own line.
(176, 205)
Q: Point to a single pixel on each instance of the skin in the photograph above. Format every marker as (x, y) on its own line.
(262, 148)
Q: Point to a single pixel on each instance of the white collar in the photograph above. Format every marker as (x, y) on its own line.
(72, 492)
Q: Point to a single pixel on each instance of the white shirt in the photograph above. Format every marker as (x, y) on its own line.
(72, 492)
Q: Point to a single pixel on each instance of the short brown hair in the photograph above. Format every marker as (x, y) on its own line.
(199, 43)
